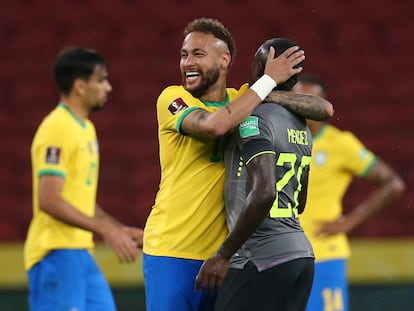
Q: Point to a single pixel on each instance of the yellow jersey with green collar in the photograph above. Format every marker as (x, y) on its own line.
(337, 156)
(67, 147)
(188, 218)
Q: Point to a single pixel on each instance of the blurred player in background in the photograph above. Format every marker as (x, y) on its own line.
(65, 160)
(337, 157)
(187, 222)
(269, 257)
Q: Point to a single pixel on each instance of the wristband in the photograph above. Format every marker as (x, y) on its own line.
(263, 86)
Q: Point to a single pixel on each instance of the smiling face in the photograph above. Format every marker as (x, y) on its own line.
(204, 60)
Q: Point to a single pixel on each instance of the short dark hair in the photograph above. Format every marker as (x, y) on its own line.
(314, 79)
(280, 45)
(73, 63)
(216, 28)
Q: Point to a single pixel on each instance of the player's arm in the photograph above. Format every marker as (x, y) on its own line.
(202, 123)
(136, 234)
(262, 180)
(308, 106)
(303, 194)
(388, 187)
(52, 203)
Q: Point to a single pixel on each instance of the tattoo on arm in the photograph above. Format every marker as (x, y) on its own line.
(228, 108)
(306, 105)
(201, 116)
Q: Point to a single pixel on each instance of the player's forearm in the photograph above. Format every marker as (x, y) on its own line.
(63, 211)
(215, 124)
(201, 123)
(247, 223)
(100, 214)
(381, 198)
(231, 115)
(259, 201)
(307, 106)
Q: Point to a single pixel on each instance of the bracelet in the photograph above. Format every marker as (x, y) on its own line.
(263, 86)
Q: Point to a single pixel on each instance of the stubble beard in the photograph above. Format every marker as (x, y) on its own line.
(97, 107)
(207, 80)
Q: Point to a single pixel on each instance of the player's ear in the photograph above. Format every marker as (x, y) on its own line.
(79, 86)
(226, 59)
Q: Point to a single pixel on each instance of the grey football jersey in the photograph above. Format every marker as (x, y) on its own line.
(280, 238)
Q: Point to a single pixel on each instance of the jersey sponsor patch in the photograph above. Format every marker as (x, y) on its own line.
(177, 105)
(320, 157)
(52, 155)
(363, 154)
(249, 127)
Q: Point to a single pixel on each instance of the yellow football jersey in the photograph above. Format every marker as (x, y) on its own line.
(337, 156)
(188, 218)
(64, 146)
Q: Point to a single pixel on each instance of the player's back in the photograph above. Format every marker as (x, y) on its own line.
(280, 237)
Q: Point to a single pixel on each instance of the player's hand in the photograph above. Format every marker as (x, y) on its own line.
(122, 241)
(212, 273)
(329, 228)
(282, 68)
(136, 234)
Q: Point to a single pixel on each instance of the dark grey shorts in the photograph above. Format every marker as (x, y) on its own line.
(284, 287)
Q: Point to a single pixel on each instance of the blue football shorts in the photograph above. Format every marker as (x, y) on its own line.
(330, 287)
(169, 285)
(69, 279)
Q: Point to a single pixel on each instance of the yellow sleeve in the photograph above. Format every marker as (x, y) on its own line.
(172, 105)
(52, 149)
(359, 160)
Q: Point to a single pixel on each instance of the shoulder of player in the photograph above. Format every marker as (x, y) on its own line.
(61, 120)
(175, 99)
(233, 92)
(332, 130)
(267, 109)
(173, 92)
(338, 138)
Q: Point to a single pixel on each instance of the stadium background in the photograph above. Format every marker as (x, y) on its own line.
(362, 48)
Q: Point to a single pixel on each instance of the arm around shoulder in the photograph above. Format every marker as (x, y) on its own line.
(308, 106)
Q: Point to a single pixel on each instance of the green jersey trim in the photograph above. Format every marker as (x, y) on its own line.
(224, 102)
(181, 118)
(321, 131)
(369, 167)
(79, 121)
(51, 172)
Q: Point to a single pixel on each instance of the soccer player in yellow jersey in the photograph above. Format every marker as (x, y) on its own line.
(337, 157)
(65, 160)
(187, 222)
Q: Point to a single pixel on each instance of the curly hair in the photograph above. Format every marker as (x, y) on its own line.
(216, 28)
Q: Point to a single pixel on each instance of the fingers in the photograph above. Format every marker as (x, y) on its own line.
(199, 279)
(282, 67)
(291, 51)
(136, 234)
(127, 252)
(271, 54)
(126, 248)
(294, 56)
(207, 281)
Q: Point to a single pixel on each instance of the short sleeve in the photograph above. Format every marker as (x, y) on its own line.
(359, 160)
